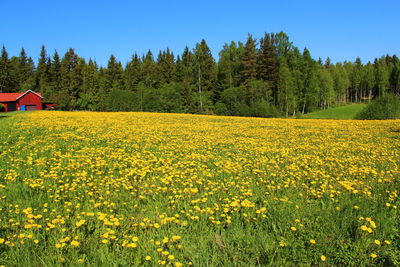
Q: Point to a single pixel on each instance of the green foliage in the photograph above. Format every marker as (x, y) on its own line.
(382, 108)
(264, 109)
(271, 70)
(2, 108)
(121, 100)
(221, 109)
(233, 99)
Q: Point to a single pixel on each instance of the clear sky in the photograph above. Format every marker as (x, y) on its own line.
(96, 29)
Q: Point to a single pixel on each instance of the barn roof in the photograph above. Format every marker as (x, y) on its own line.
(9, 97)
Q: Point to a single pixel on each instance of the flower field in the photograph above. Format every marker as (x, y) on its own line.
(125, 189)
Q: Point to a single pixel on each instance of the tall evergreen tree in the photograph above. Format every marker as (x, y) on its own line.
(206, 70)
(5, 71)
(166, 66)
(309, 94)
(132, 73)
(25, 72)
(185, 74)
(54, 76)
(267, 65)
(149, 70)
(42, 71)
(114, 74)
(71, 79)
(89, 97)
(249, 61)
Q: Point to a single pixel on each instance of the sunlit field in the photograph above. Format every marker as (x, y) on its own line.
(125, 189)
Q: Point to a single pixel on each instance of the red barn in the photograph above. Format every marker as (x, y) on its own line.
(22, 101)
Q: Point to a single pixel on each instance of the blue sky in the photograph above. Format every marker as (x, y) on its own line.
(339, 29)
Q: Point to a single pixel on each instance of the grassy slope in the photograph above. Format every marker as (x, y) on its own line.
(340, 113)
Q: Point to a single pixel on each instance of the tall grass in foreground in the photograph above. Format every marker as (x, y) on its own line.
(123, 189)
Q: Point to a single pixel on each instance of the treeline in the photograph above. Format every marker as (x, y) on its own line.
(267, 77)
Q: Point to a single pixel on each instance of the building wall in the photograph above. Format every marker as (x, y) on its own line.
(30, 99)
(7, 106)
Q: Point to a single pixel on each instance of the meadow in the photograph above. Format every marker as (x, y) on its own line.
(346, 112)
(129, 189)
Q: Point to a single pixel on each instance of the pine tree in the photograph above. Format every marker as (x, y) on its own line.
(166, 67)
(54, 76)
(114, 74)
(309, 94)
(132, 73)
(206, 70)
(249, 61)
(267, 65)
(328, 63)
(25, 72)
(89, 96)
(42, 72)
(186, 75)
(5, 72)
(148, 70)
(71, 79)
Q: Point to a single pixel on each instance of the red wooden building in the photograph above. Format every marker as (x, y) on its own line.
(21, 101)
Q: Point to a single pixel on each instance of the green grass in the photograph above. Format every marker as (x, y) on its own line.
(237, 191)
(347, 112)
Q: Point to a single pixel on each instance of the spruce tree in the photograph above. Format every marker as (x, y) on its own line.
(54, 75)
(114, 74)
(25, 72)
(309, 94)
(148, 70)
(185, 74)
(166, 67)
(89, 96)
(42, 71)
(267, 65)
(71, 79)
(206, 74)
(132, 73)
(5, 72)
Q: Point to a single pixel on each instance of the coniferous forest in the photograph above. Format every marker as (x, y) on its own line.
(265, 77)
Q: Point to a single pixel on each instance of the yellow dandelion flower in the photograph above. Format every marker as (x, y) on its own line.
(74, 243)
